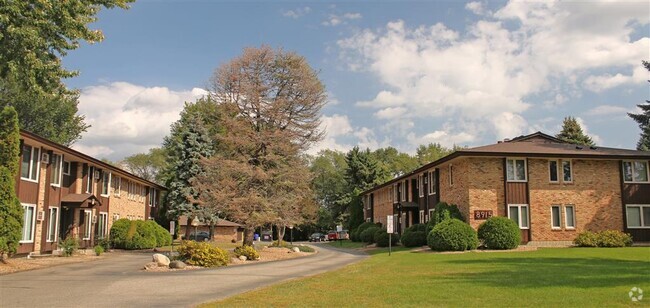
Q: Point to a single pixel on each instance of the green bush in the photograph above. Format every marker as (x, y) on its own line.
(105, 243)
(381, 238)
(499, 233)
(354, 235)
(248, 251)
(202, 254)
(586, 239)
(416, 227)
(304, 248)
(69, 246)
(133, 234)
(368, 235)
(163, 238)
(452, 235)
(608, 238)
(443, 211)
(11, 211)
(99, 250)
(414, 238)
(119, 232)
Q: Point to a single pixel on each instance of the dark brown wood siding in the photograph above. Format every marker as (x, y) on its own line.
(516, 193)
(28, 192)
(636, 194)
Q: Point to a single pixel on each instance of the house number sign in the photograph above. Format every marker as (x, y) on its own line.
(482, 214)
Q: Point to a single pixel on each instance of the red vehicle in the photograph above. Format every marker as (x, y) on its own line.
(333, 235)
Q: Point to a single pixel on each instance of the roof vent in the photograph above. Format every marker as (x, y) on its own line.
(578, 147)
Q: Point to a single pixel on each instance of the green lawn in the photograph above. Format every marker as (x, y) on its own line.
(346, 244)
(548, 277)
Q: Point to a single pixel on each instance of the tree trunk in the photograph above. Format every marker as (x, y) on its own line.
(212, 226)
(248, 236)
(281, 231)
(188, 231)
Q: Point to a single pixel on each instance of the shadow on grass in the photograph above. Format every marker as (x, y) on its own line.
(535, 272)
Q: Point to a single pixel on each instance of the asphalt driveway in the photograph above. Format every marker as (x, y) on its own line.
(118, 281)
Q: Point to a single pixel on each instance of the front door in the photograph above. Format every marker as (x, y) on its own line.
(67, 222)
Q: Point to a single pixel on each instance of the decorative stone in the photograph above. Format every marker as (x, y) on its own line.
(150, 265)
(177, 264)
(161, 259)
(295, 249)
(243, 258)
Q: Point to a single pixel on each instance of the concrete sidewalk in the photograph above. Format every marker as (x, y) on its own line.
(119, 282)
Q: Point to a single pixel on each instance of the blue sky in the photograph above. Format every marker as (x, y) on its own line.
(397, 73)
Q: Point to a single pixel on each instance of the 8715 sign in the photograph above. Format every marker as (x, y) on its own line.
(482, 214)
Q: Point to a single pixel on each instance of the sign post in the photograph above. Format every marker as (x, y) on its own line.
(339, 233)
(172, 228)
(389, 230)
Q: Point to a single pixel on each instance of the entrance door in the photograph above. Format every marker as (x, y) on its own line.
(520, 214)
(67, 222)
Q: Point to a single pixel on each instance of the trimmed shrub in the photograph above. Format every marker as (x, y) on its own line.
(69, 246)
(416, 227)
(99, 250)
(202, 254)
(119, 232)
(414, 238)
(381, 238)
(163, 238)
(442, 212)
(133, 234)
(354, 235)
(452, 235)
(105, 243)
(248, 251)
(614, 238)
(586, 239)
(368, 235)
(499, 233)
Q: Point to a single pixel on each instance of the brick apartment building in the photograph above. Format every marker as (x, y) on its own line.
(552, 189)
(67, 193)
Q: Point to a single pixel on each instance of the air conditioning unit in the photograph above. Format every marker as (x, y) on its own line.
(94, 219)
(45, 158)
(96, 175)
(40, 216)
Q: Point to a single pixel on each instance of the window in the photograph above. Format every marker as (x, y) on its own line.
(555, 217)
(552, 171)
(430, 214)
(88, 215)
(30, 163)
(638, 216)
(519, 213)
(116, 217)
(421, 216)
(106, 180)
(567, 175)
(421, 185)
(404, 191)
(451, 175)
(53, 224)
(432, 182)
(102, 225)
(90, 171)
(28, 223)
(569, 217)
(516, 170)
(117, 185)
(56, 170)
(635, 171)
(66, 168)
(395, 193)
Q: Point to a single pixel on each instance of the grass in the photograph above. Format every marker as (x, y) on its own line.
(546, 277)
(347, 244)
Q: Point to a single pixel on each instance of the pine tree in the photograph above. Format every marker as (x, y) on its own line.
(643, 119)
(11, 212)
(572, 133)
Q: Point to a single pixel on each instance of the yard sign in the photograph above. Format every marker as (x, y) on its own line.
(389, 224)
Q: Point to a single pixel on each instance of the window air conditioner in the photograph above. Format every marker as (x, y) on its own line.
(45, 158)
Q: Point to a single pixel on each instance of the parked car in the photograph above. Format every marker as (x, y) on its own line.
(201, 236)
(316, 237)
(332, 236)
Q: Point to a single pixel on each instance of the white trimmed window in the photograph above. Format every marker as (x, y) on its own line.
(106, 180)
(421, 185)
(638, 216)
(432, 182)
(553, 174)
(395, 199)
(516, 170)
(66, 168)
(57, 165)
(519, 213)
(567, 171)
(53, 224)
(635, 171)
(404, 191)
(88, 224)
(421, 216)
(430, 214)
(102, 223)
(117, 185)
(90, 172)
(569, 217)
(555, 217)
(29, 218)
(30, 164)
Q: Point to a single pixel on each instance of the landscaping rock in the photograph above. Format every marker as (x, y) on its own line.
(296, 249)
(161, 259)
(243, 258)
(150, 265)
(177, 264)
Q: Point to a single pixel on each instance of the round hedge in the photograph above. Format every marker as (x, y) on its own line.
(163, 238)
(368, 235)
(381, 238)
(499, 233)
(452, 235)
(119, 232)
(414, 239)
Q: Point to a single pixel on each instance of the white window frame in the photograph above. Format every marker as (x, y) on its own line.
(56, 224)
(566, 218)
(644, 224)
(90, 173)
(432, 182)
(117, 190)
(519, 212)
(108, 185)
(65, 171)
(514, 165)
(60, 177)
(33, 231)
(404, 191)
(559, 218)
(421, 216)
(430, 214)
(102, 233)
(570, 170)
(557, 170)
(88, 225)
(421, 185)
(31, 163)
(647, 168)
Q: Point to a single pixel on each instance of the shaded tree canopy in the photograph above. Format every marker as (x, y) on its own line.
(11, 211)
(643, 119)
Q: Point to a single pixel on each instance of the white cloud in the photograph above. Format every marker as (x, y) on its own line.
(475, 7)
(608, 110)
(604, 82)
(444, 138)
(486, 78)
(127, 118)
(297, 13)
(334, 20)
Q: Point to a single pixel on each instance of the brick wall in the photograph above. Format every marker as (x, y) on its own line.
(383, 204)
(124, 207)
(457, 193)
(486, 189)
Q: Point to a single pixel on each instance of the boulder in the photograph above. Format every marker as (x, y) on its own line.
(150, 265)
(161, 259)
(295, 249)
(177, 264)
(243, 258)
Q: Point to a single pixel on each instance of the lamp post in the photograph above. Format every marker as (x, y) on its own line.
(291, 232)
(195, 224)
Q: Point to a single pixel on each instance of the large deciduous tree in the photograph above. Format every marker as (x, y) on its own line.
(572, 132)
(148, 166)
(273, 100)
(11, 212)
(643, 119)
(34, 35)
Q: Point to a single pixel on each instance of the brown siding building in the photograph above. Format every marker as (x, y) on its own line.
(67, 193)
(552, 189)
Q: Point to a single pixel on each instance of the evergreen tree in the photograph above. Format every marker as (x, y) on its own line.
(11, 212)
(572, 133)
(643, 119)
